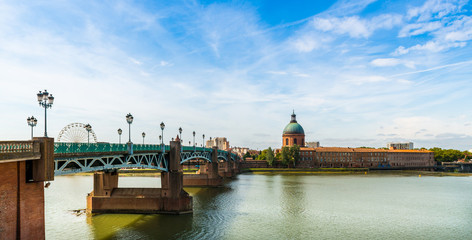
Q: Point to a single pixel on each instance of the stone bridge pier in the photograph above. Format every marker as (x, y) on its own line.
(208, 176)
(226, 169)
(171, 198)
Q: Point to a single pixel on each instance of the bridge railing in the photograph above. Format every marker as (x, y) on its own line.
(197, 149)
(65, 147)
(19, 150)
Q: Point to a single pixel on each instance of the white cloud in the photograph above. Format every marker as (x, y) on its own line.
(435, 9)
(355, 26)
(135, 61)
(419, 28)
(391, 62)
(277, 72)
(423, 127)
(165, 63)
(443, 32)
(431, 46)
(306, 43)
(359, 80)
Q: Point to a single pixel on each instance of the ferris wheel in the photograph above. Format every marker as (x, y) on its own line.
(77, 133)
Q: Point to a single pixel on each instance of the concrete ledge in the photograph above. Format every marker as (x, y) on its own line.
(139, 200)
(201, 180)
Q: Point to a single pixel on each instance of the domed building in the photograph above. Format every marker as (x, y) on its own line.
(293, 133)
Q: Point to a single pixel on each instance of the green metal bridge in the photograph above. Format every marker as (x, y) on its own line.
(84, 157)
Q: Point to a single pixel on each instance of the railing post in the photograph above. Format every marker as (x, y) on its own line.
(130, 148)
(43, 169)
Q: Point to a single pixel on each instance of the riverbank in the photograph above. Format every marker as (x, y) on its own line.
(138, 172)
(294, 171)
(364, 171)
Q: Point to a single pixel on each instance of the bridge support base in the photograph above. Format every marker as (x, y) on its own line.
(226, 170)
(169, 199)
(208, 176)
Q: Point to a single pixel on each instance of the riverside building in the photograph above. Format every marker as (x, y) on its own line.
(315, 156)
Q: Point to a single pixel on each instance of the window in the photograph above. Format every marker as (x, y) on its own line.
(286, 141)
(295, 141)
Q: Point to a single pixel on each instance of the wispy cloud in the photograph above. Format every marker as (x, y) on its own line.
(223, 70)
(391, 62)
(356, 27)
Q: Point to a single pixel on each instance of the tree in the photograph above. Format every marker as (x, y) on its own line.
(278, 156)
(295, 154)
(269, 156)
(247, 155)
(447, 155)
(285, 156)
(262, 156)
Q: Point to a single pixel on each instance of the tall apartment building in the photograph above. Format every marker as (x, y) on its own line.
(220, 142)
(400, 145)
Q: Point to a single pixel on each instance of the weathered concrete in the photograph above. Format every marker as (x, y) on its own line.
(226, 169)
(22, 193)
(208, 176)
(170, 198)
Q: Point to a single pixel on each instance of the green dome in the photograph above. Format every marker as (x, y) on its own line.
(293, 128)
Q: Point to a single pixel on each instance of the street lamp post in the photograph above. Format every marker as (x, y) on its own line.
(180, 133)
(129, 119)
(88, 128)
(32, 121)
(203, 144)
(162, 133)
(144, 135)
(181, 141)
(119, 133)
(45, 100)
(194, 141)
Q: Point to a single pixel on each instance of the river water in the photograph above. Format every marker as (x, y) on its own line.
(256, 206)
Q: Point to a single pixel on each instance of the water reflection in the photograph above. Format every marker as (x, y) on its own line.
(280, 207)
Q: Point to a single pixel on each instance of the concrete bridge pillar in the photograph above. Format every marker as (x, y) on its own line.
(170, 198)
(235, 167)
(104, 183)
(208, 176)
(227, 170)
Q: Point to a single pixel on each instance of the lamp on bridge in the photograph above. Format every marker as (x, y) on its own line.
(32, 121)
(88, 128)
(144, 135)
(119, 133)
(129, 119)
(194, 141)
(203, 144)
(45, 100)
(180, 137)
(180, 133)
(162, 129)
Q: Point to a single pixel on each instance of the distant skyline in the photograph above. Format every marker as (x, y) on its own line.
(357, 73)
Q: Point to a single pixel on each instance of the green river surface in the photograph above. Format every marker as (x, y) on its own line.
(276, 206)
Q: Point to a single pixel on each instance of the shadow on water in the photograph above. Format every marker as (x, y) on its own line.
(206, 222)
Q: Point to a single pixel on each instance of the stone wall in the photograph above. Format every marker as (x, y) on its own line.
(21, 204)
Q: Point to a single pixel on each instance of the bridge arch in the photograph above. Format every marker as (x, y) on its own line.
(187, 156)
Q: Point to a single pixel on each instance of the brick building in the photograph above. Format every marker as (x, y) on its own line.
(293, 133)
(339, 157)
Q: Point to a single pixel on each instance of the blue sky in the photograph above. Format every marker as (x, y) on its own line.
(357, 73)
